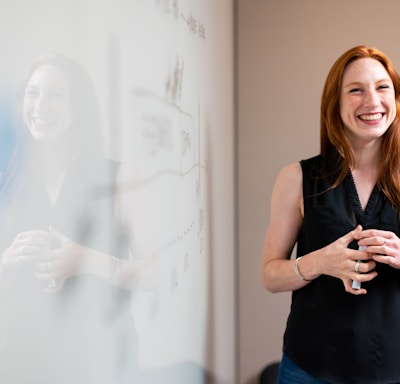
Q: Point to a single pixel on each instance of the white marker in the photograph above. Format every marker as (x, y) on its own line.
(357, 284)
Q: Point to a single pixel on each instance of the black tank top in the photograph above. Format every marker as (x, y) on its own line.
(332, 334)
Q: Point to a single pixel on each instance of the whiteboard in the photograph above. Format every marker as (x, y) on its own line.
(163, 72)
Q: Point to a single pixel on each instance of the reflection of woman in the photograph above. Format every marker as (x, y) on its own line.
(64, 317)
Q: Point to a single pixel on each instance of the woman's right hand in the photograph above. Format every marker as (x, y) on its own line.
(347, 264)
(27, 246)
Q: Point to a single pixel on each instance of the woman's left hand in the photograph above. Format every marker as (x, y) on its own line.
(383, 246)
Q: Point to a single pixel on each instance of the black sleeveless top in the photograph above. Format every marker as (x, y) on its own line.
(332, 334)
(85, 333)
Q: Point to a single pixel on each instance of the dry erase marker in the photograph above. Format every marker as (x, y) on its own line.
(357, 284)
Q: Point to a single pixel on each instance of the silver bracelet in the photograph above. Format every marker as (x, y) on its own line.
(115, 268)
(296, 269)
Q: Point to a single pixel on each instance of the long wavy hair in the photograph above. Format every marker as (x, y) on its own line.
(334, 144)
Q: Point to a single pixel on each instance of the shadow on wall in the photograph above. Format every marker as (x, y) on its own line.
(180, 373)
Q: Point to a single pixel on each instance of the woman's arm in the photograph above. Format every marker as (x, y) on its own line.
(336, 259)
(72, 259)
(139, 274)
(277, 270)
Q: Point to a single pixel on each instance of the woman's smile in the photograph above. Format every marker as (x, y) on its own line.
(371, 117)
(47, 104)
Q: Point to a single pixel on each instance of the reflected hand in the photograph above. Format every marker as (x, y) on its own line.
(62, 262)
(27, 246)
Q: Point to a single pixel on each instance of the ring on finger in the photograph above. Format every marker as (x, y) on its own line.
(357, 266)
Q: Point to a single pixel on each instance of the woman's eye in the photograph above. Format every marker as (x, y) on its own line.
(383, 86)
(355, 90)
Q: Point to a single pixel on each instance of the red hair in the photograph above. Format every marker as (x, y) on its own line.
(333, 141)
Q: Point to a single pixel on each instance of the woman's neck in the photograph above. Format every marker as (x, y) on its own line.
(367, 158)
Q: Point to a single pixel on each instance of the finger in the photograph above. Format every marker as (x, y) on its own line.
(58, 235)
(37, 241)
(379, 246)
(34, 234)
(46, 270)
(51, 255)
(363, 277)
(376, 241)
(358, 292)
(385, 259)
(364, 267)
(357, 254)
(374, 236)
(29, 251)
(350, 236)
(349, 288)
(23, 259)
(30, 244)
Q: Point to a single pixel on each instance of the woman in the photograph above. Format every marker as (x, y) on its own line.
(342, 209)
(65, 296)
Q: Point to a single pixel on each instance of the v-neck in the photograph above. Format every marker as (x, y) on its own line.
(53, 190)
(361, 214)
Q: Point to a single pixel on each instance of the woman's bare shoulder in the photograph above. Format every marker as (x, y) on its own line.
(291, 173)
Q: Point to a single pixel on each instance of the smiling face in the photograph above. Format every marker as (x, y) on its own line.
(47, 104)
(367, 100)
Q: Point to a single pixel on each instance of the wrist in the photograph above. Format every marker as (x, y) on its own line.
(114, 269)
(298, 271)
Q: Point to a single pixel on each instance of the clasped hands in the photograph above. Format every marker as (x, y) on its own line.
(54, 257)
(378, 246)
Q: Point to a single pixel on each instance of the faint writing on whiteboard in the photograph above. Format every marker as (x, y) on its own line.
(157, 135)
(186, 142)
(162, 138)
(173, 87)
(195, 26)
(169, 6)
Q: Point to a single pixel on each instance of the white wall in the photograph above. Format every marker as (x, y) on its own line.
(285, 50)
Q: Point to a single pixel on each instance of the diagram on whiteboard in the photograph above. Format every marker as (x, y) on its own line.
(160, 138)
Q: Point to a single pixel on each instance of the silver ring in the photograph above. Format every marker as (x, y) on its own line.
(357, 266)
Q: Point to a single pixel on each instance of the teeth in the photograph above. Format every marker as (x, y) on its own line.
(42, 121)
(375, 116)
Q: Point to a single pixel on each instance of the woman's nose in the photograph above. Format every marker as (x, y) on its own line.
(42, 103)
(371, 98)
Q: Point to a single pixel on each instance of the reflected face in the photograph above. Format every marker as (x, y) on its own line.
(47, 111)
(367, 100)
